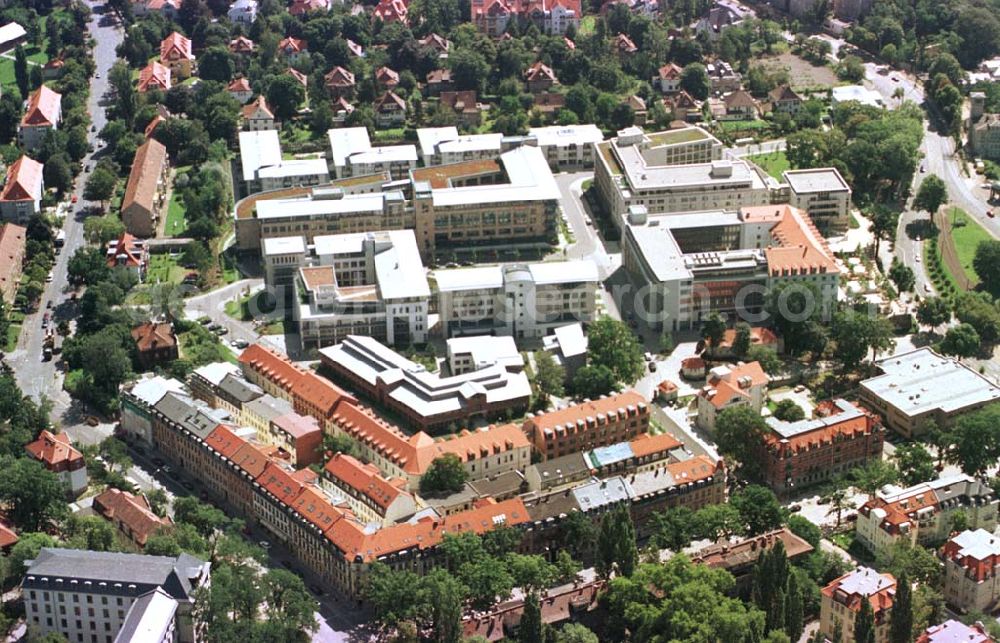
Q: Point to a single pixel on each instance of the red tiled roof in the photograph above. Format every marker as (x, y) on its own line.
(147, 166)
(175, 42)
(571, 414)
(154, 335)
(240, 84)
(43, 108)
(540, 71)
(723, 390)
(670, 71)
(759, 336)
(241, 45)
(249, 111)
(387, 77)
(251, 459)
(391, 11)
(800, 248)
(225, 442)
(624, 44)
(279, 483)
(363, 478)
(389, 101)
(53, 449)
(319, 393)
(480, 443)
(314, 507)
(648, 444)
(24, 181)
(8, 537)
(339, 77)
(126, 246)
(271, 366)
(132, 511)
(154, 76)
(292, 45)
(297, 75)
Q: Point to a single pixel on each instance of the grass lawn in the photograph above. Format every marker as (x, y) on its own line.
(587, 25)
(737, 126)
(261, 303)
(10, 342)
(774, 163)
(389, 135)
(165, 269)
(968, 234)
(176, 224)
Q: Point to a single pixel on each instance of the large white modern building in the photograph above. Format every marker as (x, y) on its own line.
(824, 194)
(263, 167)
(352, 154)
(568, 146)
(517, 300)
(673, 171)
(364, 283)
(697, 263)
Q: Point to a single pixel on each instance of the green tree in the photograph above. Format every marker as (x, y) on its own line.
(902, 276)
(979, 311)
(100, 184)
(694, 80)
(788, 411)
(805, 529)
(795, 309)
(612, 344)
(857, 333)
(21, 71)
(851, 69)
(933, 311)
(444, 595)
(931, 195)
(469, 68)
(718, 521)
(126, 100)
(216, 63)
(593, 381)
(769, 584)
(28, 546)
(915, 464)
(986, 263)
(766, 357)
(33, 495)
(712, 331)
(962, 341)
(864, 624)
(549, 376)
(916, 562)
(394, 595)
(667, 342)
(759, 509)
(739, 432)
(93, 533)
(901, 623)
(100, 230)
(487, 579)
(616, 547)
(445, 475)
(530, 629)
(672, 528)
(57, 174)
(284, 95)
(885, 221)
(873, 476)
(976, 440)
(742, 340)
(580, 536)
(794, 608)
(575, 633)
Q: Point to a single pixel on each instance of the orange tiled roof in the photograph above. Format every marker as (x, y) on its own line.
(271, 366)
(389, 101)
(24, 181)
(314, 507)
(8, 537)
(154, 76)
(258, 105)
(292, 45)
(126, 246)
(648, 444)
(481, 443)
(848, 427)
(147, 166)
(386, 76)
(240, 45)
(540, 71)
(727, 389)
(53, 449)
(175, 42)
(319, 393)
(251, 459)
(670, 71)
(279, 483)
(297, 75)
(43, 108)
(225, 442)
(132, 511)
(571, 414)
(624, 44)
(758, 336)
(800, 248)
(364, 478)
(339, 77)
(152, 335)
(240, 84)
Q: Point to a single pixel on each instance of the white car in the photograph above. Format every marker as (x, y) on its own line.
(927, 287)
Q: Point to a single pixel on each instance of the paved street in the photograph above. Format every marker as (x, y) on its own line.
(35, 377)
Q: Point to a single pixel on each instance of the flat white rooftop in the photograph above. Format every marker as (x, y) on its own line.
(306, 207)
(825, 179)
(979, 544)
(294, 167)
(708, 176)
(482, 277)
(283, 246)
(385, 154)
(564, 135)
(399, 271)
(472, 143)
(857, 93)
(561, 272)
(921, 381)
(864, 581)
(429, 137)
(347, 141)
(530, 179)
(257, 150)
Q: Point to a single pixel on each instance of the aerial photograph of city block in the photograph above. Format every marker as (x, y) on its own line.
(521, 321)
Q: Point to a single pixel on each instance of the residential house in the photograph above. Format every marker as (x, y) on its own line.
(341, 110)
(684, 107)
(176, 53)
(386, 79)
(465, 106)
(12, 245)
(42, 113)
(240, 90)
(22, 193)
(639, 111)
(540, 77)
(668, 78)
(12, 35)
(131, 514)
(389, 11)
(371, 496)
(841, 600)
(154, 76)
(339, 82)
(390, 110)
(293, 48)
(550, 16)
(722, 15)
(145, 191)
(972, 571)
(549, 104)
(242, 12)
(623, 45)
(155, 343)
(258, 117)
(784, 100)
(302, 7)
(130, 253)
(169, 9)
(952, 631)
(722, 78)
(727, 387)
(57, 455)
(438, 43)
(439, 80)
(924, 512)
(241, 45)
(740, 106)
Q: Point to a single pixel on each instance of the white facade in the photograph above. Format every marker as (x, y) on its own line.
(243, 12)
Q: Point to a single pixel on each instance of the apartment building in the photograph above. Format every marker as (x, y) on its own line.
(983, 128)
(43, 112)
(263, 167)
(697, 263)
(952, 631)
(492, 16)
(445, 146)
(971, 564)
(363, 283)
(427, 401)
(824, 194)
(840, 603)
(921, 386)
(146, 189)
(352, 154)
(740, 558)
(923, 513)
(591, 424)
(137, 403)
(58, 455)
(131, 514)
(372, 497)
(86, 595)
(468, 354)
(518, 300)
(298, 436)
(797, 455)
(23, 187)
(729, 387)
(270, 370)
(258, 414)
(568, 146)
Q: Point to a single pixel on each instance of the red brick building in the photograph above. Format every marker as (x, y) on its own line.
(131, 514)
(616, 418)
(155, 343)
(795, 455)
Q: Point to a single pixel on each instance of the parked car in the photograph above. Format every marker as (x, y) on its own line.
(264, 544)
(989, 213)
(221, 331)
